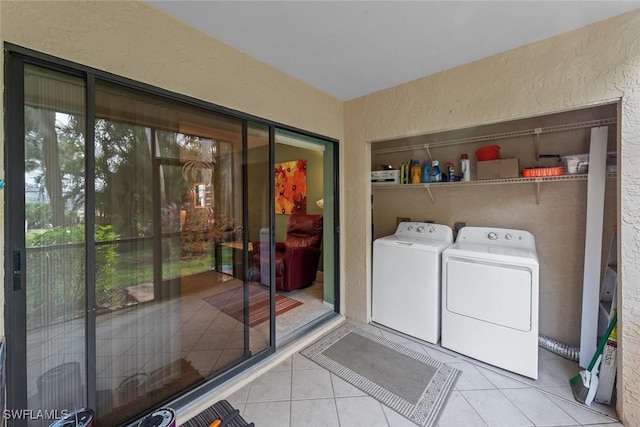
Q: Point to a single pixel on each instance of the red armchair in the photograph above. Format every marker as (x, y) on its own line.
(298, 256)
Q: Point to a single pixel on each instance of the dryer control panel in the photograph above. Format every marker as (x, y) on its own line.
(497, 236)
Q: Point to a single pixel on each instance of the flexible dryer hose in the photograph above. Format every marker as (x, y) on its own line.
(571, 353)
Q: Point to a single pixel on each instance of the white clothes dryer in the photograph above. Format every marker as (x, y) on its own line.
(490, 286)
(406, 279)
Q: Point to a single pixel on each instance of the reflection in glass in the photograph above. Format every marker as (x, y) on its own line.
(55, 240)
(170, 179)
(176, 296)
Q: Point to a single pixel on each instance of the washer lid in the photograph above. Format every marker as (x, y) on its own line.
(413, 243)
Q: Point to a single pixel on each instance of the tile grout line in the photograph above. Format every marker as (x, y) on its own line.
(500, 390)
(533, 387)
(384, 414)
(291, 392)
(246, 399)
(546, 395)
(244, 406)
(473, 408)
(549, 395)
(539, 388)
(335, 403)
(518, 407)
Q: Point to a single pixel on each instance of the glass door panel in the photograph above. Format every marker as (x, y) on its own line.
(131, 318)
(170, 199)
(54, 173)
(147, 245)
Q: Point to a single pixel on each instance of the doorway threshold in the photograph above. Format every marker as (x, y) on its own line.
(304, 329)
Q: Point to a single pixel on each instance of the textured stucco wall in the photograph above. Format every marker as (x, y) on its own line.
(134, 40)
(593, 64)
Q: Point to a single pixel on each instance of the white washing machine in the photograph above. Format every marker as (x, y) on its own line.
(406, 279)
(490, 298)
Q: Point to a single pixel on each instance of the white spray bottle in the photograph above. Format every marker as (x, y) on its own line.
(465, 168)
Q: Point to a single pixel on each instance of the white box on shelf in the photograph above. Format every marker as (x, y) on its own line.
(385, 177)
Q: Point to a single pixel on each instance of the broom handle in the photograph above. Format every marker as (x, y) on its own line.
(603, 341)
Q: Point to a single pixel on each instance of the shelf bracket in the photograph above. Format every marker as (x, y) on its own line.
(537, 132)
(426, 147)
(537, 192)
(429, 193)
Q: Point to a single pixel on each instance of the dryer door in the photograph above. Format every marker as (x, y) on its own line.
(491, 292)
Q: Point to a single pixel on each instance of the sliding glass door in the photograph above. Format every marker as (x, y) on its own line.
(130, 233)
(141, 242)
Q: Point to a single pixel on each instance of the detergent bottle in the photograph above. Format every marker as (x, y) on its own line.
(426, 171)
(416, 172)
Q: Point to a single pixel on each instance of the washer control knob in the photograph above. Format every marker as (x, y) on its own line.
(432, 230)
(410, 227)
(420, 229)
(493, 235)
(508, 236)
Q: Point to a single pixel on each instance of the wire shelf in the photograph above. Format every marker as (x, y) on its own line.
(538, 179)
(515, 134)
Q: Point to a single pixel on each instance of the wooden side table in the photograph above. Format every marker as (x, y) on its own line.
(237, 249)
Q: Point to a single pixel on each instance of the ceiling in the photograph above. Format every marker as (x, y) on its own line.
(352, 48)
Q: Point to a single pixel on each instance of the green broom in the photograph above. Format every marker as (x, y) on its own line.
(583, 381)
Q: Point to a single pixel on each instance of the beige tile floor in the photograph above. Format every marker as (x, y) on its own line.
(299, 392)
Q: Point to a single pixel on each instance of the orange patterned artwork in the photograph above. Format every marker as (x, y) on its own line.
(291, 187)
